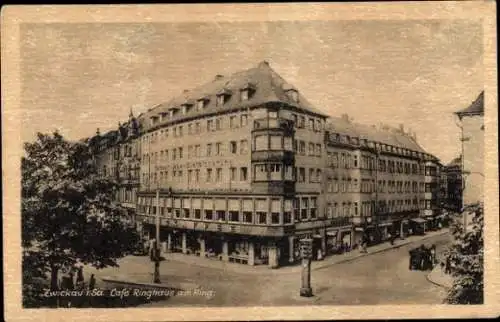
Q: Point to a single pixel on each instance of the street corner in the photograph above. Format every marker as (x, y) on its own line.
(438, 277)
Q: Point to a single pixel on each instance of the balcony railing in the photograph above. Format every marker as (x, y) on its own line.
(273, 123)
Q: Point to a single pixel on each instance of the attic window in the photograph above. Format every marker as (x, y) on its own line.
(247, 91)
(293, 94)
(201, 103)
(163, 116)
(154, 120)
(186, 108)
(223, 97)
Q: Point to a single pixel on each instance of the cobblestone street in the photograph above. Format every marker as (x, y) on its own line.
(381, 278)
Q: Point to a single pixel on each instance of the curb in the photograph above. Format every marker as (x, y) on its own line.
(376, 252)
(430, 280)
(175, 286)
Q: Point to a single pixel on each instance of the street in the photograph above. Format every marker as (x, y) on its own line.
(382, 278)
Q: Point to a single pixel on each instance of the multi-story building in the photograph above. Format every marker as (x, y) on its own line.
(117, 154)
(472, 137)
(453, 172)
(244, 167)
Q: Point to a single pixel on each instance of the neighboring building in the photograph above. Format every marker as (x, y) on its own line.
(117, 154)
(472, 122)
(453, 172)
(245, 166)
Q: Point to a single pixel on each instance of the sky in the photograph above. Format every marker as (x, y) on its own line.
(82, 76)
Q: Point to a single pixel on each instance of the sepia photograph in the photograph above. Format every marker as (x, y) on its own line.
(273, 162)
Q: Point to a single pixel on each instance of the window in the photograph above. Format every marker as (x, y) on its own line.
(243, 174)
(243, 147)
(318, 175)
(190, 129)
(261, 142)
(180, 153)
(218, 123)
(233, 147)
(303, 208)
(302, 123)
(302, 175)
(232, 122)
(210, 125)
(311, 148)
(288, 144)
(244, 95)
(313, 208)
(197, 128)
(244, 119)
(209, 149)
(276, 142)
(220, 100)
(219, 175)
(311, 124)
(209, 175)
(302, 147)
(311, 175)
(179, 130)
(218, 150)
(260, 172)
(318, 150)
(275, 171)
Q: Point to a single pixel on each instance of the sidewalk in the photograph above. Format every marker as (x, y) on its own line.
(438, 277)
(315, 265)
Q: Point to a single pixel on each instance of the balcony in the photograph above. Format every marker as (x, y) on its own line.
(274, 187)
(273, 123)
(287, 157)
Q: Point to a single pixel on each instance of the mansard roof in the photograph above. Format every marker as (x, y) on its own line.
(269, 87)
(392, 137)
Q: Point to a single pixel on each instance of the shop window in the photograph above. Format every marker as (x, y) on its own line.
(247, 216)
(220, 215)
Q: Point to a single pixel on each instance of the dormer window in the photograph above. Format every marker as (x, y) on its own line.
(223, 96)
(247, 91)
(292, 92)
(186, 107)
(163, 116)
(154, 120)
(201, 103)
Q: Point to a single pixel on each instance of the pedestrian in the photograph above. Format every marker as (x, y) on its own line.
(92, 282)
(433, 255)
(412, 259)
(80, 281)
(447, 266)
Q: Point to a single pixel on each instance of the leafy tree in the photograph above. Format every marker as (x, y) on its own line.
(465, 256)
(68, 212)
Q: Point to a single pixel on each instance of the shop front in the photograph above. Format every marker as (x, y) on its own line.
(418, 226)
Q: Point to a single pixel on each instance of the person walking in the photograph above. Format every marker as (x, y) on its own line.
(80, 281)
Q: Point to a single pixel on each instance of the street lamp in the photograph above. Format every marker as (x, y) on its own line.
(156, 251)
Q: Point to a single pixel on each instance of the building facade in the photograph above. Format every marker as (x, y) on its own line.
(453, 172)
(472, 137)
(243, 167)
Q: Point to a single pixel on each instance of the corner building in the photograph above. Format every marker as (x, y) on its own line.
(244, 168)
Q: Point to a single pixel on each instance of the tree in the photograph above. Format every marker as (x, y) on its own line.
(68, 212)
(466, 258)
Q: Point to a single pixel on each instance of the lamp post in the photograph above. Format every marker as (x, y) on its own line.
(156, 251)
(462, 181)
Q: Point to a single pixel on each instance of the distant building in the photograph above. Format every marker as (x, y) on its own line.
(472, 122)
(246, 167)
(453, 172)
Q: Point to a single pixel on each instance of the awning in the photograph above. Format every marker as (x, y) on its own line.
(384, 224)
(418, 220)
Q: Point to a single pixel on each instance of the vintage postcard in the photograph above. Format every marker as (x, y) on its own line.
(250, 161)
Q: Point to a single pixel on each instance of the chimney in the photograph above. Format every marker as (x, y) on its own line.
(264, 63)
(218, 76)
